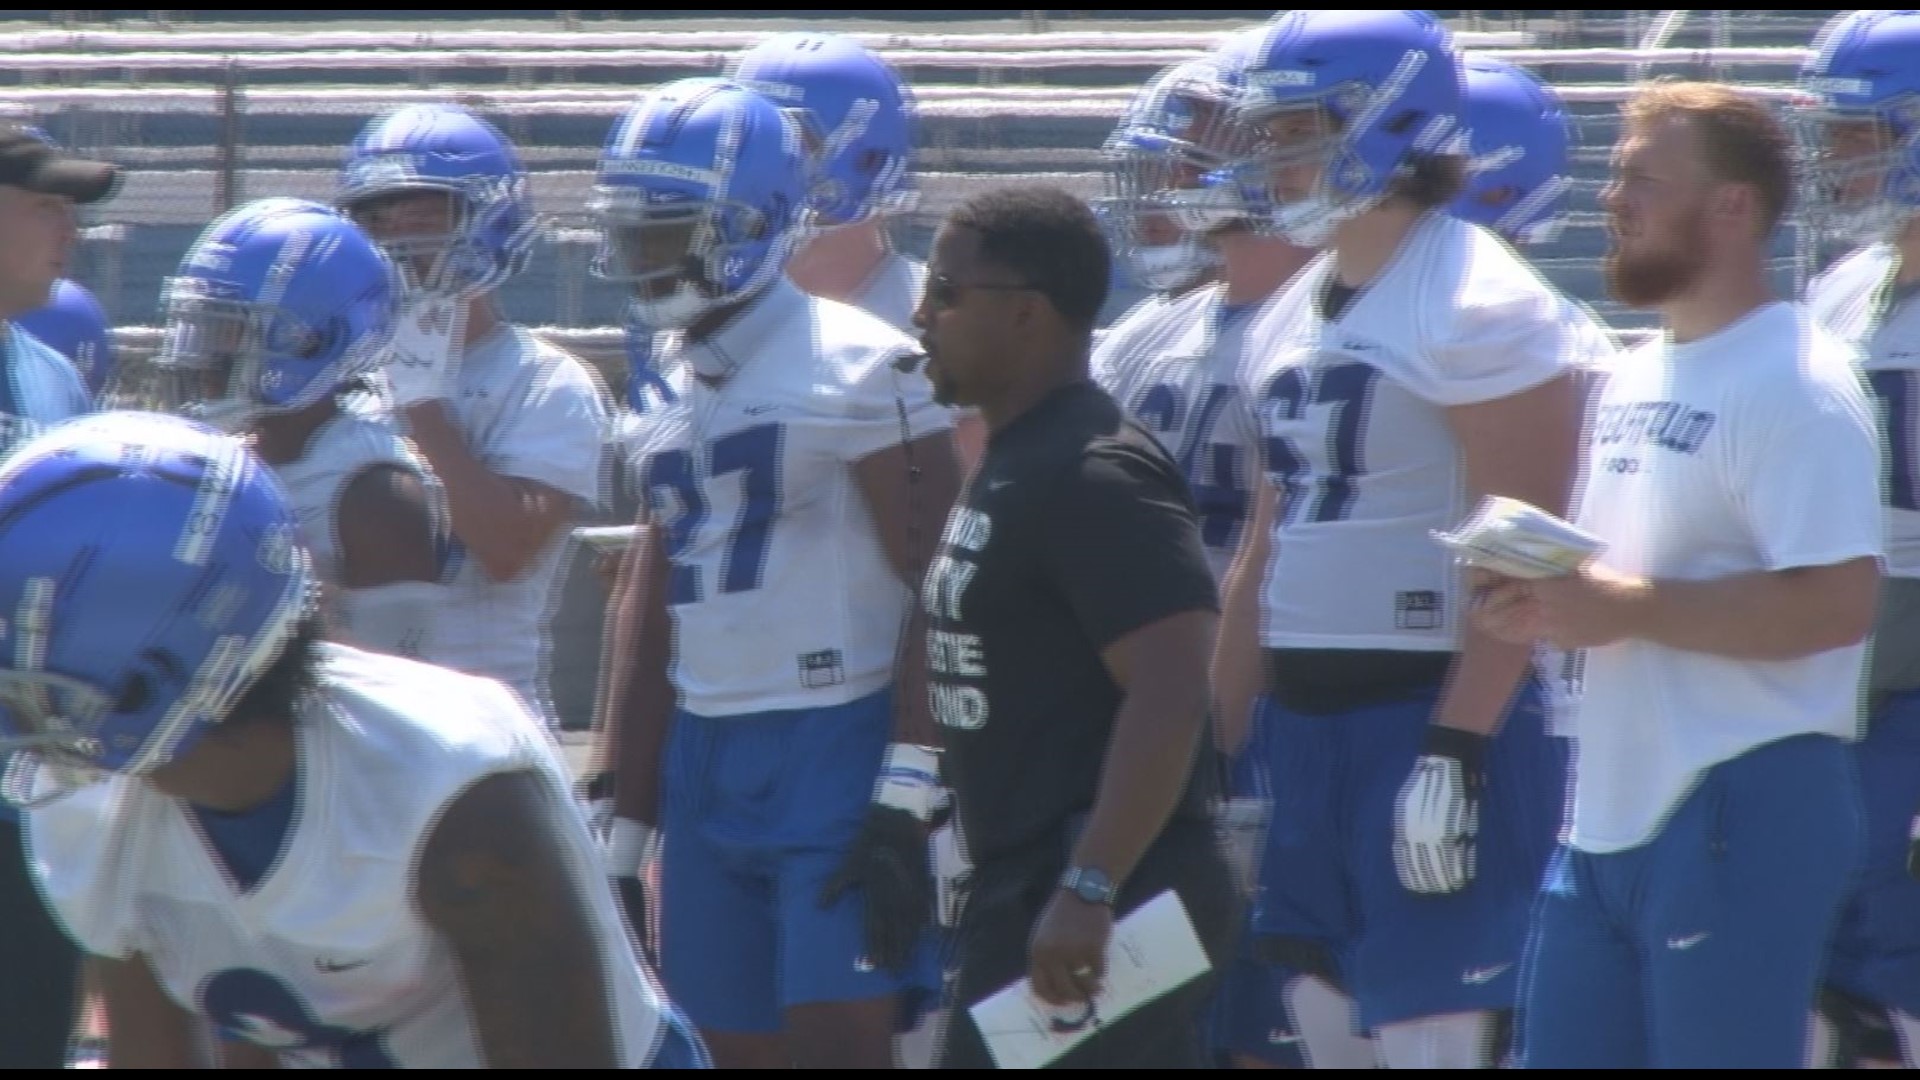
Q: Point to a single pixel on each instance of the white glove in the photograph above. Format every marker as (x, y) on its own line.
(424, 360)
(1242, 825)
(631, 848)
(628, 847)
(1437, 815)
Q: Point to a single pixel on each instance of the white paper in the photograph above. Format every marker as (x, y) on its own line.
(1153, 951)
(1516, 539)
(611, 539)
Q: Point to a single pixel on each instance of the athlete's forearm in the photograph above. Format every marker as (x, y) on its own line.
(639, 701)
(1480, 687)
(1238, 675)
(913, 709)
(1777, 615)
(500, 521)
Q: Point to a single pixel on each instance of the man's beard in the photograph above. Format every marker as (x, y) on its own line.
(1648, 279)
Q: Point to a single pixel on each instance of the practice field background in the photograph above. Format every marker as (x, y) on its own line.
(212, 108)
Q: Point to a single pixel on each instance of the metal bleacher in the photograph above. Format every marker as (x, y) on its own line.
(211, 108)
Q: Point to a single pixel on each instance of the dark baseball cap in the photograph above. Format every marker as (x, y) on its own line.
(29, 161)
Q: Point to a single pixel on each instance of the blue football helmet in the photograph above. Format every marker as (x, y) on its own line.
(278, 304)
(856, 117)
(700, 196)
(1374, 90)
(75, 325)
(1862, 135)
(149, 574)
(1174, 132)
(1521, 139)
(444, 148)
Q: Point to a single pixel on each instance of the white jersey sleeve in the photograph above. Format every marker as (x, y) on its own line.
(1506, 331)
(326, 960)
(535, 412)
(1856, 301)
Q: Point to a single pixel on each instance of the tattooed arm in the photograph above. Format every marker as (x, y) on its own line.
(494, 879)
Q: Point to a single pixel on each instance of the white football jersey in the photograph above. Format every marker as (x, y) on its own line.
(1750, 450)
(1174, 366)
(327, 959)
(1855, 300)
(781, 593)
(343, 448)
(1357, 442)
(531, 411)
(893, 292)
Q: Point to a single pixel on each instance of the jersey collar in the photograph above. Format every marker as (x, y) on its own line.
(755, 328)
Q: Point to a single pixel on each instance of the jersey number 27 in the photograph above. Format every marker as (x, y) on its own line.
(679, 477)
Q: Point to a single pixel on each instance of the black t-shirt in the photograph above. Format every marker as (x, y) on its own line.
(1076, 530)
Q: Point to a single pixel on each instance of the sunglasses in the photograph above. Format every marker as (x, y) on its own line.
(944, 292)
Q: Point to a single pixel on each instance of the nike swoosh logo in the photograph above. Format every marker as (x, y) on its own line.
(1688, 941)
(1482, 976)
(760, 410)
(329, 967)
(996, 485)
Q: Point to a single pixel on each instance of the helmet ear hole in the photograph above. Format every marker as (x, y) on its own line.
(136, 691)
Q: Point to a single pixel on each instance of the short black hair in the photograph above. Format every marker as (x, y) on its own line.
(1050, 238)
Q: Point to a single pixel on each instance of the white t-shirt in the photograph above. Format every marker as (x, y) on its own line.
(1357, 441)
(326, 959)
(1855, 301)
(531, 411)
(1174, 365)
(782, 596)
(1750, 450)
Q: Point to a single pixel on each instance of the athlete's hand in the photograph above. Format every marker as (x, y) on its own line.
(1437, 815)
(888, 861)
(424, 359)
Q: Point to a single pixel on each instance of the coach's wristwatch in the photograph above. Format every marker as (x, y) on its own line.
(1089, 884)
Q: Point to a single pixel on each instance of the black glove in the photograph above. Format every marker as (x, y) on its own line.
(1437, 815)
(888, 864)
(888, 861)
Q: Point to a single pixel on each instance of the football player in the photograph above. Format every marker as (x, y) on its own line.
(75, 325)
(342, 858)
(1172, 362)
(514, 428)
(1416, 366)
(771, 717)
(1863, 136)
(279, 312)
